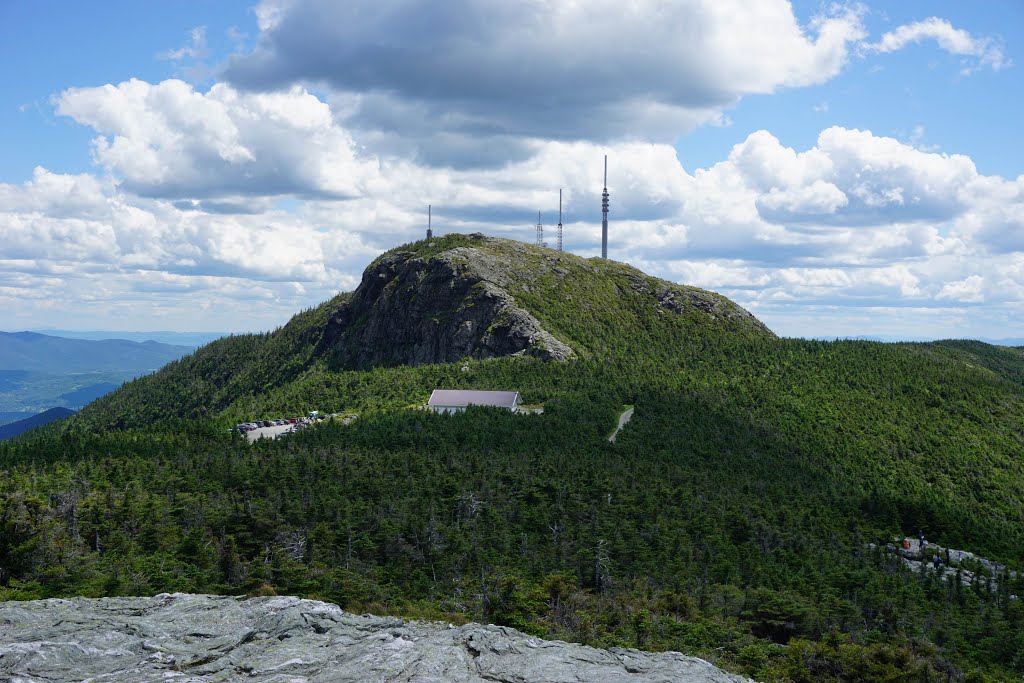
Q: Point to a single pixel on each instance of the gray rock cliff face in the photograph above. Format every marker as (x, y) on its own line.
(412, 311)
(480, 297)
(194, 638)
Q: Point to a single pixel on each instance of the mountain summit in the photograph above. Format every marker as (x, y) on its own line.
(443, 300)
(471, 296)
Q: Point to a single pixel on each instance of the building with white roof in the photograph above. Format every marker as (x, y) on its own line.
(457, 400)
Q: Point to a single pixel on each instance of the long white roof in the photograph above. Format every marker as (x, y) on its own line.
(466, 397)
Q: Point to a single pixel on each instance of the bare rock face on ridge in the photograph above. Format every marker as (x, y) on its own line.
(471, 296)
(413, 311)
(196, 638)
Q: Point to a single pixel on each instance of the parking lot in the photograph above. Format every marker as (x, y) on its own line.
(271, 429)
(268, 432)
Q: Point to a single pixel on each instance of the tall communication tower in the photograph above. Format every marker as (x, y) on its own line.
(430, 233)
(540, 232)
(604, 212)
(559, 219)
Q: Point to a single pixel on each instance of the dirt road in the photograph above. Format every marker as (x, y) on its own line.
(624, 419)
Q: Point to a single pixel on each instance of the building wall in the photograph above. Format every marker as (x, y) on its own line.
(448, 409)
(459, 409)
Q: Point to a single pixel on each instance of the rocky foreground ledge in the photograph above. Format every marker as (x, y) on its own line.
(192, 638)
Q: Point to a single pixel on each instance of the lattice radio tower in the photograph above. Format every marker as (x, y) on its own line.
(604, 212)
(540, 232)
(559, 219)
(430, 233)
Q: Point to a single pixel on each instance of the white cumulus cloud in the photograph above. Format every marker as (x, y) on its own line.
(407, 71)
(269, 197)
(953, 40)
(170, 140)
(968, 290)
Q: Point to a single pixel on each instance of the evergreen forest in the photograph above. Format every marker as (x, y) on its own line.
(741, 516)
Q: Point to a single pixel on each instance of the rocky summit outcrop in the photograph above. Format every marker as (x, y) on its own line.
(411, 310)
(471, 296)
(193, 638)
(951, 564)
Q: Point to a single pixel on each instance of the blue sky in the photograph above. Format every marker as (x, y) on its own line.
(919, 88)
(52, 45)
(839, 169)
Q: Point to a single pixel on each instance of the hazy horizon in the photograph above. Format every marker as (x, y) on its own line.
(203, 337)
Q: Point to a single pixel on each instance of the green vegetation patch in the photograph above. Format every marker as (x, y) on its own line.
(731, 519)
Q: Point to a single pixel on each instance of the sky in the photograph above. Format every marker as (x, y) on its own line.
(839, 169)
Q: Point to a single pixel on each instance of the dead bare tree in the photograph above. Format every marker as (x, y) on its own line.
(469, 506)
(602, 566)
(292, 542)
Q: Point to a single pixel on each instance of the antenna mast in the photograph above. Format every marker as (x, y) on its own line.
(430, 233)
(559, 219)
(540, 232)
(604, 212)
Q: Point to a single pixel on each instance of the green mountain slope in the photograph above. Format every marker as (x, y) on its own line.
(215, 376)
(434, 302)
(741, 515)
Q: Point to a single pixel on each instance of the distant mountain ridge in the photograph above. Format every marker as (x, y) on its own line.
(13, 429)
(190, 339)
(34, 352)
(892, 338)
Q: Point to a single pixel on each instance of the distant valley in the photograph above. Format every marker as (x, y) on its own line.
(39, 372)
